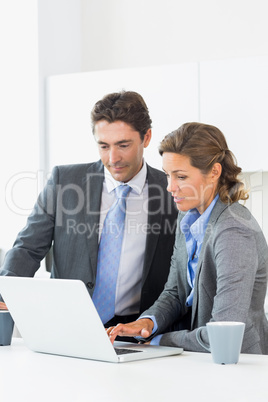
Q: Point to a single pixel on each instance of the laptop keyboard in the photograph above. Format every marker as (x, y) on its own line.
(120, 351)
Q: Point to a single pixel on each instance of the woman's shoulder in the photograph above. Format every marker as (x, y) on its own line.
(235, 215)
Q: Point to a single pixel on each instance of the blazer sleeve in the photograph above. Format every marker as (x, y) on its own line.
(35, 239)
(170, 306)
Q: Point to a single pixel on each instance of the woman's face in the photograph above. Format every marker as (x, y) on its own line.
(187, 184)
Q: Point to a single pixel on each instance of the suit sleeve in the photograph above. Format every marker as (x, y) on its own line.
(170, 306)
(35, 239)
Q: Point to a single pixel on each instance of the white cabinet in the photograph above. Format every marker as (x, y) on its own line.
(231, 94)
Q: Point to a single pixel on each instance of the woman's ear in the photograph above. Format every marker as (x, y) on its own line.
(216, 171)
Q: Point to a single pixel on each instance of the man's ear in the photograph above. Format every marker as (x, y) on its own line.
(147, 138)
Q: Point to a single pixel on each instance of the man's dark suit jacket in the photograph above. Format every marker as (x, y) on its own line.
(67, 214)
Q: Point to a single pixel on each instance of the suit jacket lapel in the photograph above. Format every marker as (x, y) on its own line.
(154, 220)
(93, 183)
(215, 213)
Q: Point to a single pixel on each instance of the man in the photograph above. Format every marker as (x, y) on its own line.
(70, 213)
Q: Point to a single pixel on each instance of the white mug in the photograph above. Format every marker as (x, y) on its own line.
(225, 340)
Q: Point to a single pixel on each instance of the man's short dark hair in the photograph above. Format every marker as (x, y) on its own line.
(126, 106)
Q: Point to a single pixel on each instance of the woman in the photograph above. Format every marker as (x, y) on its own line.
(219, 264)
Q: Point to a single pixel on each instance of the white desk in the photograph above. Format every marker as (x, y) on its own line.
(29, 376)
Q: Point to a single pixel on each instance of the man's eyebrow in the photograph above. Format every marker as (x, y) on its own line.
(116, 143)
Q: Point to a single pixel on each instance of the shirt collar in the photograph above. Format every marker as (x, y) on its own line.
(195, 224)
(137, 183)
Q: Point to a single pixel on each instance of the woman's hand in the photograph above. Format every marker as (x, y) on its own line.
(142, 327)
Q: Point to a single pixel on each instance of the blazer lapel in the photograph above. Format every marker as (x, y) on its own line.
(154, 220)
(217, 210)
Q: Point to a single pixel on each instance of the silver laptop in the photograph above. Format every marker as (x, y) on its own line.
(57, 316)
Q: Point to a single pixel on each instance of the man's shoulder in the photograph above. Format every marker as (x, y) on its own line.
(77, 174)
(155, 174)
(157, 183)
(79, 168)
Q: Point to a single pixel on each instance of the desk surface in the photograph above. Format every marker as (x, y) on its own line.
(29, 376)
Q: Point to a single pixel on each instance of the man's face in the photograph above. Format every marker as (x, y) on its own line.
(120, 148)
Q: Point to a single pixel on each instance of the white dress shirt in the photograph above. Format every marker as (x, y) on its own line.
(128, 290)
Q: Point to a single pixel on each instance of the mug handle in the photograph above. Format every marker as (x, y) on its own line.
(199, 340)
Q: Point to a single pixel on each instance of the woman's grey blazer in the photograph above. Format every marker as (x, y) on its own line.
(230, 283)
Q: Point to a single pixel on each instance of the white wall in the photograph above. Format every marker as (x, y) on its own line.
(19, 159)
(38, 38)
(59, 44)
(127, 33)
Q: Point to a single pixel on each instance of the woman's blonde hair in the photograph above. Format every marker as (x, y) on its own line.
(205, 145)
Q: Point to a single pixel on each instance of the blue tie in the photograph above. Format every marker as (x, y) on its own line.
(109, 256)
